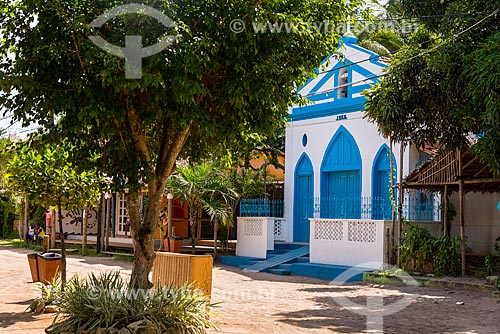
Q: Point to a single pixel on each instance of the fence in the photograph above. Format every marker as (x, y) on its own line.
(261, 207)
(415, 208)
(419, 206)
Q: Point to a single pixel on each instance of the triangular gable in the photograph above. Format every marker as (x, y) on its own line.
(362, 68)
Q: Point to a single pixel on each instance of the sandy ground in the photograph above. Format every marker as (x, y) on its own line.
(264, 303)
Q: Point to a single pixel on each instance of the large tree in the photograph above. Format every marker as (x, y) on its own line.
(209, 90)
(443, 86)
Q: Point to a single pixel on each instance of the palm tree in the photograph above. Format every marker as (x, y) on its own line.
(384, 41)
(201, 186)
(219, 204)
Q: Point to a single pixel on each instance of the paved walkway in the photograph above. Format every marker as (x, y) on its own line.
(264, 303)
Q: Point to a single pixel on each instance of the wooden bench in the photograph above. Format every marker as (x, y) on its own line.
(58, 250)
(117, 253)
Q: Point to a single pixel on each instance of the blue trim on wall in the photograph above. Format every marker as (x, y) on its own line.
(354, 166)
(316, 70)
(384, 149)
(327, 109)
(303, 161)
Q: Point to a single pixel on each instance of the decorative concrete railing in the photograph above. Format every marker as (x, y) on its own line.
(350, 242)
(280, 229)
(255, 236)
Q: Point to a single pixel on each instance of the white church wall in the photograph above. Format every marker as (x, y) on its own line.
(319, 133)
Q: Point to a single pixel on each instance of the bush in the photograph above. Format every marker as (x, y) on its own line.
(106, 301)
(419, 248)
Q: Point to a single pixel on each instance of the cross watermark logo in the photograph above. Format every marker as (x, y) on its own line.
(375, 310)
(133, 52)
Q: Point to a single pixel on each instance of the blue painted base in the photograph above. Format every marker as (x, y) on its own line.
(237, 261)
(316, 270)
(327, 271)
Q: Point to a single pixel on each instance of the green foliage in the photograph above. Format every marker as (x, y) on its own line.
(419, 247)
(218, 87)
(208, 92)
(7, 211)
(385, 39)
(106, 301)
(203, 186)
(445, 76)
(50, 294)
(46, 175)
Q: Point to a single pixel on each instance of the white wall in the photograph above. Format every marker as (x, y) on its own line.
(482, 221)
(320, 132)
(72, 221)
(255, 236)
(333, 242)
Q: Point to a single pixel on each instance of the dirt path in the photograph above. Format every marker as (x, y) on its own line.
(264, 303)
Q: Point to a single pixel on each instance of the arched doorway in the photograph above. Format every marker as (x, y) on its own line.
(341, 178)
(381, 184)
(303, 199)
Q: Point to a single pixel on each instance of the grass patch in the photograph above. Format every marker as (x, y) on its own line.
(19, 243)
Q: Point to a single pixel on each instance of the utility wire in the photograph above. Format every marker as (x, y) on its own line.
(452, 38)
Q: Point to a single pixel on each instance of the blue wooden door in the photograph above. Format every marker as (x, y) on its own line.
(343, 189)
(381, 192)
(305, 210)
(341, 178)
(303, 203)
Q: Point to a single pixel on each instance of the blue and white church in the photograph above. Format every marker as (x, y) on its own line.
(337, 163)
(337, 192)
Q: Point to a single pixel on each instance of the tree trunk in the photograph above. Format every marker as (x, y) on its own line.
(393, 202)
(107, 224)
(142, 233)
(53, 229)
(400, 202)
(98, 244)
(172, 143)
(24, 224)
(63, 246)
(84, 230)
(216, 227)
(461, 194)
(192, 224)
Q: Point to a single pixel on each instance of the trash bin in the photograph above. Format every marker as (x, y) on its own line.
(49, 266)
(32, 260)
(175, 244)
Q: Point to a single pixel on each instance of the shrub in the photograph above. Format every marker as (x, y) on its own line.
(419, 248)
(106, 301)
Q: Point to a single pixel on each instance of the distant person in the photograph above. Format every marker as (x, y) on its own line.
(31, 232)
(39, 233)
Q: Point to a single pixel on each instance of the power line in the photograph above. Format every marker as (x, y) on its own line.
(423, 17)
(452, 38)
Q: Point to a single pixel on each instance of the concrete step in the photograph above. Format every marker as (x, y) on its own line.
(286, 257)
(286, 266)
(278, 271)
